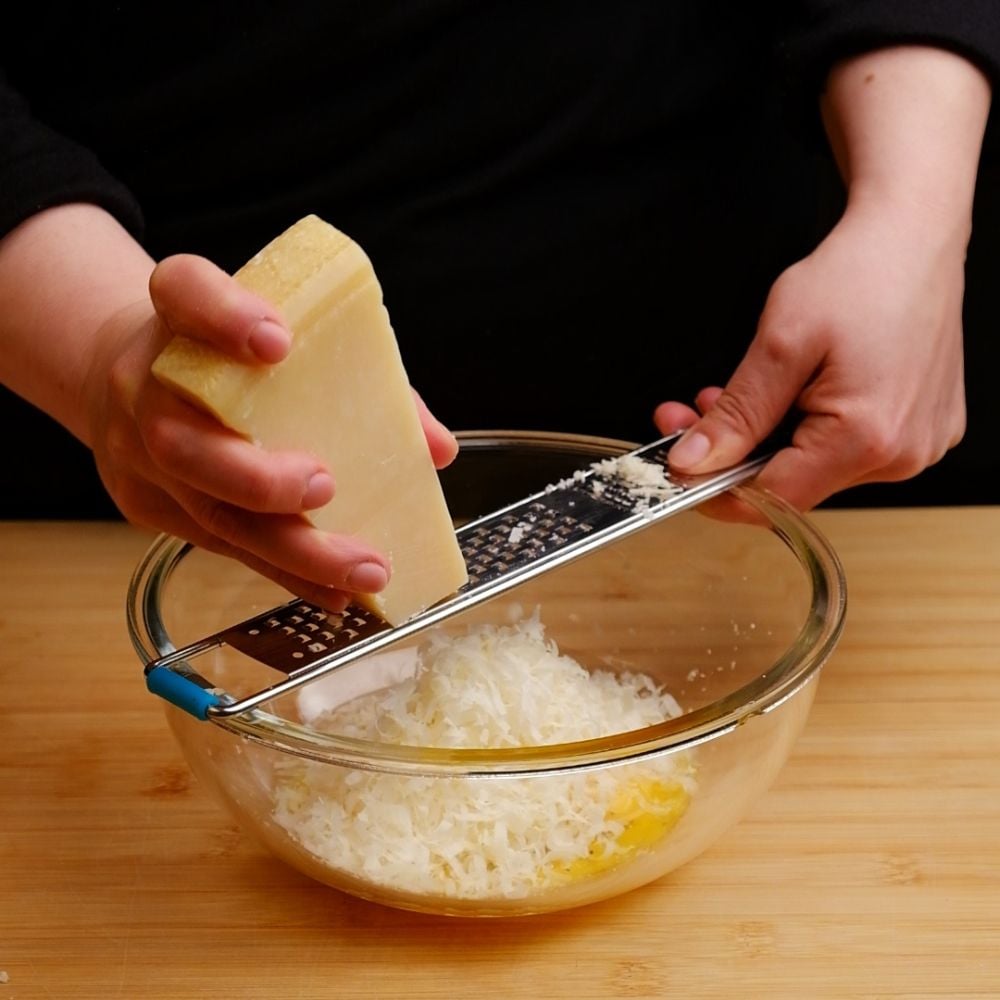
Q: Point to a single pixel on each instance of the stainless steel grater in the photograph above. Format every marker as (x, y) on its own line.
(599, 504)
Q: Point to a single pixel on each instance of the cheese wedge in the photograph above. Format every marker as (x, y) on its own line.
(341, 393)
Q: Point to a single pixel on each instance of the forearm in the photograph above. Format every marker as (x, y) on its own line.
(64, 273)
(906, 125)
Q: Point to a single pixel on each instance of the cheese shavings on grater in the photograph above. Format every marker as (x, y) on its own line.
(594, 507)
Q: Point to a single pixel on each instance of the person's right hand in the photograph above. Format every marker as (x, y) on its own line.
(170, 467)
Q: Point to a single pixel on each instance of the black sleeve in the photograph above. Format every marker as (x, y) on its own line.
(40, 168)
(823, 31)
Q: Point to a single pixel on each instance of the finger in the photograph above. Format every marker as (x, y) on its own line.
(708, 397)
(727, 506)
(672, 416)
(188, 445)
(440, 440)
(197, 299)
(732, 507)
(290, 544)
(819, 462)
(161, 512)
(830, 453)
(837, 455)
(761, 391)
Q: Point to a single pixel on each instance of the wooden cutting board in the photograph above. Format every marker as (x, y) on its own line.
(870, 870)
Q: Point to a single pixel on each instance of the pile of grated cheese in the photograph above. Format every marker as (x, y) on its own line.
(645, 481)
(504, 838)
(642, 481)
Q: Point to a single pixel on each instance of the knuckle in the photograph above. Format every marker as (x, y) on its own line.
(934, 453)
(262, 490)
(784, 318)
(176, 267)
(161, 438)
(217, 518)
(166, 276)
(125, 381)
(958, 428)
(118, 447)
(877, 445)
(231, 302)
(130, 498)
(887, 450)
(781, 339)
(742, 413)
(119, 382)
(941, 444)
(909, 463)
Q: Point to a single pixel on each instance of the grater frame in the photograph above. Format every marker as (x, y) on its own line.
(567, 520)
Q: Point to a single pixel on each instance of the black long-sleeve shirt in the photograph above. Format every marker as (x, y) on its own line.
(575, 210)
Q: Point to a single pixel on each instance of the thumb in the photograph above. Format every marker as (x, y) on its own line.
(196, 299)
(762, 390)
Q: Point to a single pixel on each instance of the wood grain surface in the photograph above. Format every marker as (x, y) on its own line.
(870, 870)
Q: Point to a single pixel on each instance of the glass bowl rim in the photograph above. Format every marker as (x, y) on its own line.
(795, 667)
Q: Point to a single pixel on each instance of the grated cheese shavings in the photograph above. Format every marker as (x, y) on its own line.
(644, 481)
(493, 687)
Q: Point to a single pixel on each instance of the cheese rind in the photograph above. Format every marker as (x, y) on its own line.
(342, 394)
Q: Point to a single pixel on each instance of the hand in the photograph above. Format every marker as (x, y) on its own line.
(864, 337)
(170, 467)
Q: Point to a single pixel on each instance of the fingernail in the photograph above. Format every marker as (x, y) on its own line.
(367, 578)
(690, 450)
(319, 490)
(452, 444)
(269, 340)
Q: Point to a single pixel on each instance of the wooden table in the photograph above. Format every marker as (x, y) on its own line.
(871, 869)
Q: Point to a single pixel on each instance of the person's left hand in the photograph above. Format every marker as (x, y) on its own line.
(864, 338)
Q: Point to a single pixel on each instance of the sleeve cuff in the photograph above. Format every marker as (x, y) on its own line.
(42, 169)
(829, 30)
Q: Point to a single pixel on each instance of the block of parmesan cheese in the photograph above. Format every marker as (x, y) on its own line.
(341, 393)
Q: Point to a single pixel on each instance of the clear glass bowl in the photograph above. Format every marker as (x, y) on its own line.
(734, 619)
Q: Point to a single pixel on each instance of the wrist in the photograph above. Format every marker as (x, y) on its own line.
(65, 273)
(913, 215)
(906, 125)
